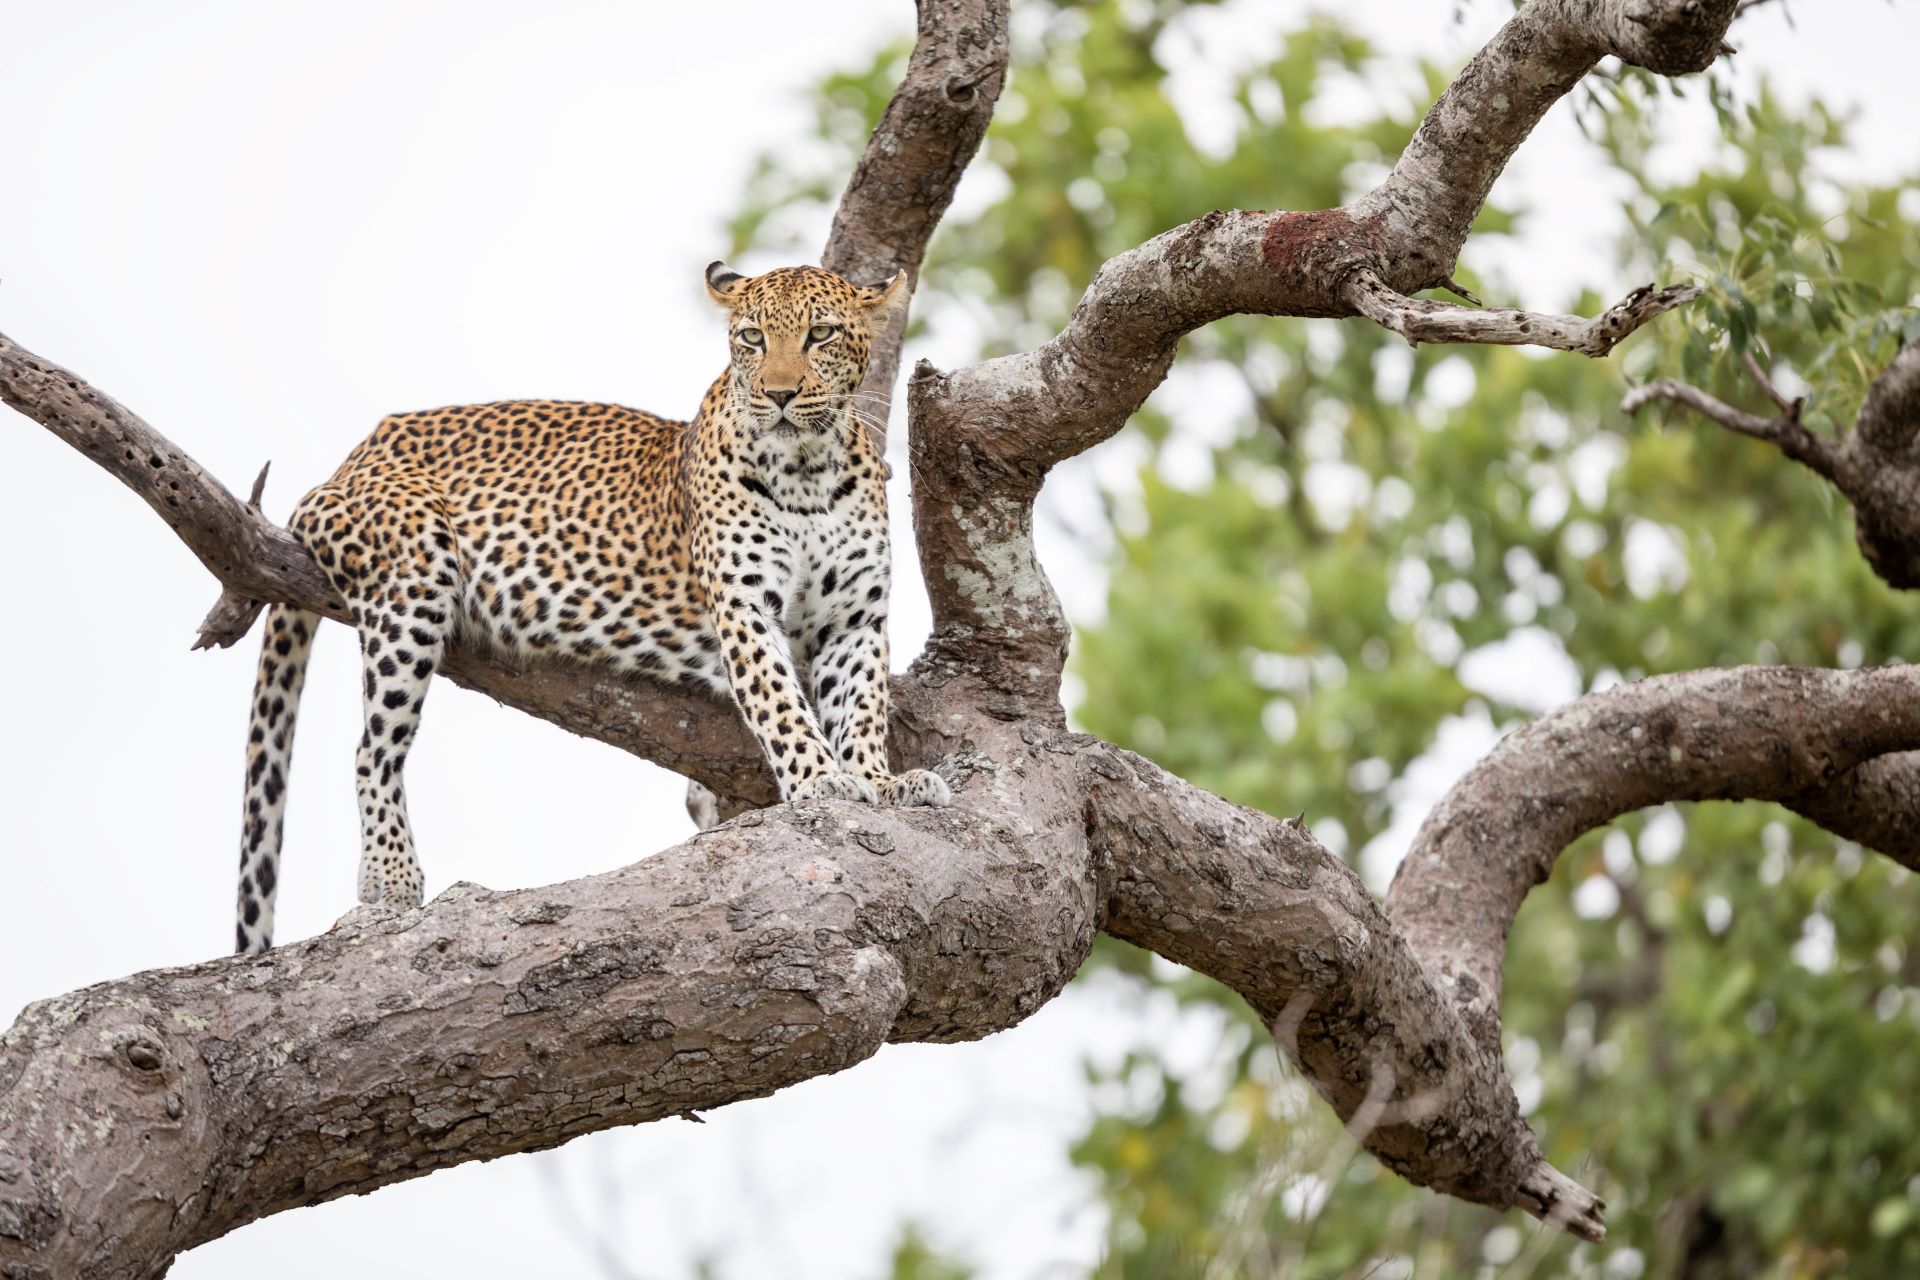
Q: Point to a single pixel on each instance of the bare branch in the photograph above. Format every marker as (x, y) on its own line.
(1421, 320)
(1873, 465)
(233, 614)
(240, 547)
(1785, 432)
(231, 617)
(1790, 408)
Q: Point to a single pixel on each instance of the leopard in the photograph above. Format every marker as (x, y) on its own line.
(743, 554)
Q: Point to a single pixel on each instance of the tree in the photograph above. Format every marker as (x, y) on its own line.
(1299, 653)
(795, 940)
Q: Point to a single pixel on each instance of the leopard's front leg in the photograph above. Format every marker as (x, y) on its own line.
(851, 691)
(760, 675)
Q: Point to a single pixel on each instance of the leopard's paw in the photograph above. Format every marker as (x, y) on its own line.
(834, 786)
(916, 788)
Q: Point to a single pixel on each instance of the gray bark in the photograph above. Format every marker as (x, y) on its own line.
(906, 178)
(1421, 320)
(141, 1117)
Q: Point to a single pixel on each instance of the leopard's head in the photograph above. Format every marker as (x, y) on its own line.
(800, 339)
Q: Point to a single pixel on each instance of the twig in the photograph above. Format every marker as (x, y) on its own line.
(1785, 432)
(1421, 320)
(1872, 463)
(1789, 407)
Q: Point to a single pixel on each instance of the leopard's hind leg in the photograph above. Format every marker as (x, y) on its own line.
(388, 546)
(276, 702)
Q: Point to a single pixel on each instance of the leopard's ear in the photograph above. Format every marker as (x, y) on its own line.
(724, 283)
(882, 300)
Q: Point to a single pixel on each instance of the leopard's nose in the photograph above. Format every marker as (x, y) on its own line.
(782, 398)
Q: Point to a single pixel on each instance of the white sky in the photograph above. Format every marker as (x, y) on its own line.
(264, 226)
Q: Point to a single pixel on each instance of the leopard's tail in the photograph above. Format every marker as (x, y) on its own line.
(276, 701)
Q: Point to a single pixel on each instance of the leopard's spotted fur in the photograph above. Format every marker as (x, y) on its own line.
(745, 551)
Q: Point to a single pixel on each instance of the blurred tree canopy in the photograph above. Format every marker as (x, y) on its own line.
(1337, 552)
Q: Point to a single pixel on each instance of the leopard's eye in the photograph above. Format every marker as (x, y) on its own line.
(820, 332)
(752, 337)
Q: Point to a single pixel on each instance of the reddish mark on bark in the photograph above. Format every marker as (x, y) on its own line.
(1293, 237)
(1314, 253)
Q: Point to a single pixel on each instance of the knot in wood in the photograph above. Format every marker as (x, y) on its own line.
(140, 1049)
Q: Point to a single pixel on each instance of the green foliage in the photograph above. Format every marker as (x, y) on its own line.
(1723, 1032)
(1783, 251)
(915, 1259)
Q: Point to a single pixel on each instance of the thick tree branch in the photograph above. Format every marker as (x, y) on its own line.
(995, 428)
(912, 164)
(789, 944)
(1875, 465)
(1875, 803)
(1427, 205)
(1806, 738)
(1213, 886)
